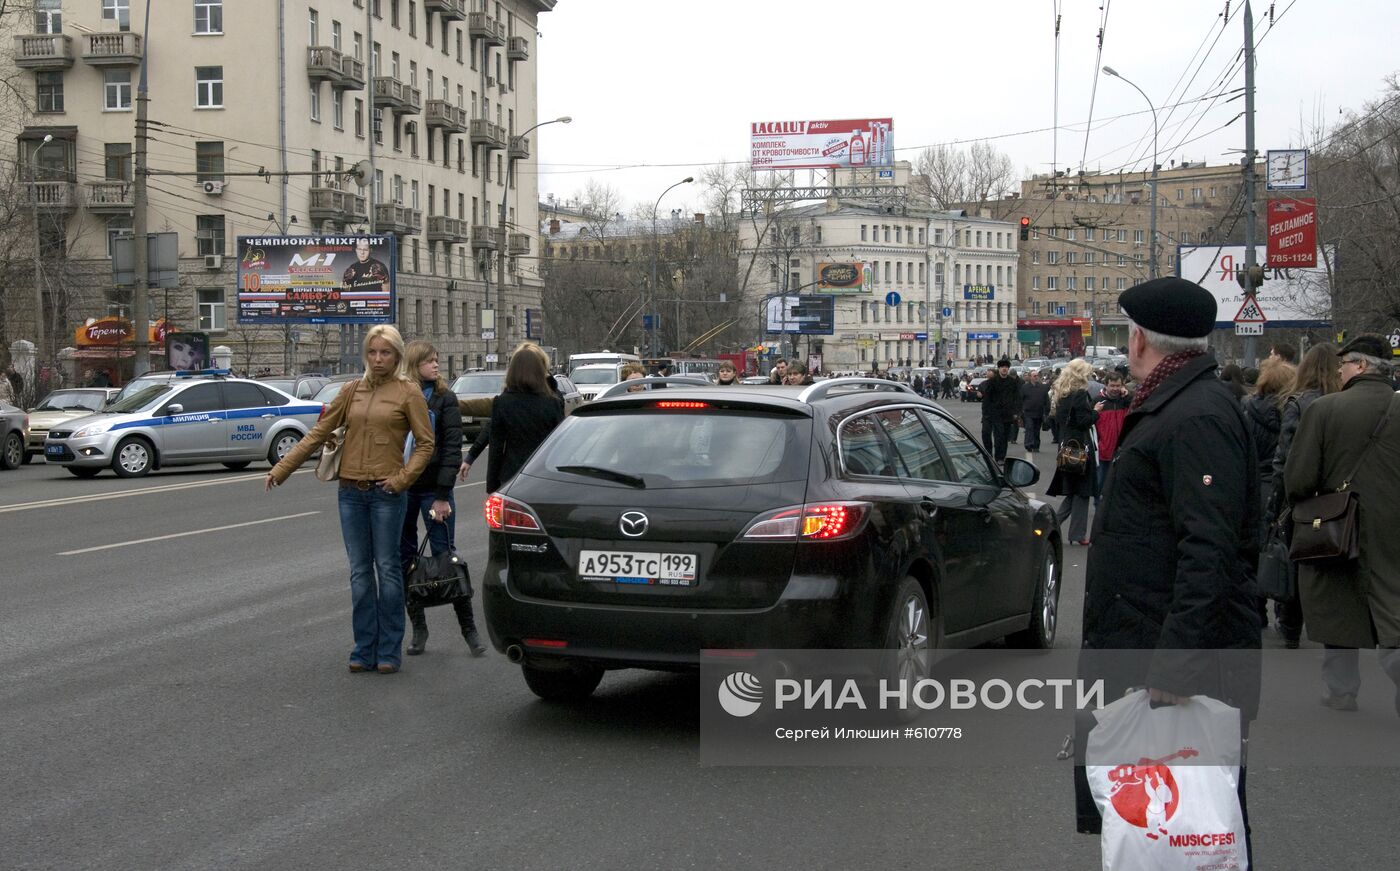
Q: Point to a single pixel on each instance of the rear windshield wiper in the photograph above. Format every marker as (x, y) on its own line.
(606, 474)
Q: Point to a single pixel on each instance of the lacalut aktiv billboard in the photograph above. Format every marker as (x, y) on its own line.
(821, 144)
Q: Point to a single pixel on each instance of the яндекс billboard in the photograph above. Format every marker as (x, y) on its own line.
(332, 279)
(821, 144)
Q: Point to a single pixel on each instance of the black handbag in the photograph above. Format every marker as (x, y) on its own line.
(1277, 578)
(1325, 526)
(1073, 457)
(436, 580)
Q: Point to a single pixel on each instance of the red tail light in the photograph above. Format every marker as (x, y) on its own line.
(508, 515)
(818, 521)
(546, 642)
(679, 404)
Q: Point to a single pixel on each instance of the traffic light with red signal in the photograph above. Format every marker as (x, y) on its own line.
(1025, 228)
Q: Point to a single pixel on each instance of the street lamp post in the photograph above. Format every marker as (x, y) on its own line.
(39, 337)
(651, 288)
(502, 243)
(1152, 264)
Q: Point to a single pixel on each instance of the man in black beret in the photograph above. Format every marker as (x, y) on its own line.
(1175, 540)
(1353, 436)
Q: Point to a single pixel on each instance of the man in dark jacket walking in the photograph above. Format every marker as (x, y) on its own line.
(1355, 603)
(1171, 569)
(1001, 403)
(1035, 405)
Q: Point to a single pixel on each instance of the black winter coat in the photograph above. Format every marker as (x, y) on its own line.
(1264, 419)
(1001, 398)
(440, 476)
(1176, 544)
(519, 422)
(1075, 418)
(1288, 426)
(1035, 400)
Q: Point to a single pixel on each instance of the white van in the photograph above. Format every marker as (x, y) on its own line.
(598, 357)
(1101, 351)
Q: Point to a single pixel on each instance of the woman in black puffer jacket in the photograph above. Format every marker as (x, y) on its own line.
(430, 497)
(1263, 411)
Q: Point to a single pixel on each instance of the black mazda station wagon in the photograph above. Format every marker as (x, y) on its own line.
(849, 514)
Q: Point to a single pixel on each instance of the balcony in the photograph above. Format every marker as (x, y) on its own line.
(441, 228)
(325, 64)
(397, 97)
(394, 218)
(518, 49)
(50, 196)
(480, 26)
(111, 197)
(338, 206)
(450, 10)
(442, 114)
(493, 136)
(44, 52)
(113, 49)
(485, 237)
(519, 243)
(519, 148)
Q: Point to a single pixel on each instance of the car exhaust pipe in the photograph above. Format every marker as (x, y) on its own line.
(515, 653)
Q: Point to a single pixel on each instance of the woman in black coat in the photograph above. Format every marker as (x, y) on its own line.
(522, 416)
(1074, 416)
(430, 497)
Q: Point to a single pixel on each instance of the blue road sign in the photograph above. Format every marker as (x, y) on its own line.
(892, 298)
(947, 312)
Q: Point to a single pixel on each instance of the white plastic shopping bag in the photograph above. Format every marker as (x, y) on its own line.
(1165, 782)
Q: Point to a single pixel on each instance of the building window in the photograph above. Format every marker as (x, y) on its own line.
(316, 103)
(210, 303)
(209, 161)
(208, 16)
(1052, 257)
(1072, 283)
(1035, 307)
(117, 161)
(1137, 237)
(1035, 257)
(117, 90)
(335, 35)
(1070, 234)
(1089, 284)
(1052, 282)
(209, 234)
(862, 233)
(1071, 257)
(118, 11)
(1122, 235)
(48, 17)
(313, 27)
(1088, 234)
(209, 87)
(1088, 258)
(1120, 284)
(117, 227)
(337, 109)
(49, 92)
(1053, 232)
(359, 118)
(394, 12)
(1122, 260)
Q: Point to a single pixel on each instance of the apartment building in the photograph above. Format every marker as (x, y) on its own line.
(933, 262)
(408, 117)
(1090, 240)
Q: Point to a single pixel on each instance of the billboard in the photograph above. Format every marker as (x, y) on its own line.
(1293, 297)
(813, 315)
(979, 291)
(336, 279)
(841, 277)
(1292, 232)
(187, 351)
(821, 144)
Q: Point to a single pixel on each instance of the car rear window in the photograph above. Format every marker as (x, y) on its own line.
(683, 449)
(484, 383)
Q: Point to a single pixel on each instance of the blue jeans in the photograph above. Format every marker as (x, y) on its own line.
(442, 537)
(371, 522)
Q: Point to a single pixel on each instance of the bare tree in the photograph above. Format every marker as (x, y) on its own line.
(948, 176)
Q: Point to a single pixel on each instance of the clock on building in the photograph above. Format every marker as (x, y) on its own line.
(1286, 169)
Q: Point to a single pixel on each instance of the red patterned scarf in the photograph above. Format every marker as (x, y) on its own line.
(1170, 365)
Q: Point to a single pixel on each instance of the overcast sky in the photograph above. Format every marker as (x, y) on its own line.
(660, 88)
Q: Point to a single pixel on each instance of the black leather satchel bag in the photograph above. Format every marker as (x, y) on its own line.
(1073, 457)
(436, 580)
(1325, 525)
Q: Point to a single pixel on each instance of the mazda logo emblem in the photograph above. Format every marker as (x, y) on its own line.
(633, 524)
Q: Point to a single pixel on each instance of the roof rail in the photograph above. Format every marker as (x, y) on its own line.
(822, 388)
(654, 380)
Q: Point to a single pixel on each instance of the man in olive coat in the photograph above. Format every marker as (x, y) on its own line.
(1175, 541)
(1357, 603)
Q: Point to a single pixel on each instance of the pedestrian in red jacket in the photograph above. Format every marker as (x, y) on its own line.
(1112, 408)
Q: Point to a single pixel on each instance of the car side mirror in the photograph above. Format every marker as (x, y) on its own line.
(1020, 473)
(174, 408)
(981, 497)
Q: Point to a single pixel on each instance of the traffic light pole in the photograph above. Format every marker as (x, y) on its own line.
(1251, 213)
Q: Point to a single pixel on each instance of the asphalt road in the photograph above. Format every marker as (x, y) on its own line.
(173, 694)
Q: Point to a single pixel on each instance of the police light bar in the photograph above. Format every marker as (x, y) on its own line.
(190, 373)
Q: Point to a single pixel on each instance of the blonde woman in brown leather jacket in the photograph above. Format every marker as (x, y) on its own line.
(378, 411)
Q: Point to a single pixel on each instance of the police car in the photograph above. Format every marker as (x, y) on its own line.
(195, 417)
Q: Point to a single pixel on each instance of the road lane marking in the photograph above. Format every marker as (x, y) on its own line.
(184, 534)
(144, 491)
